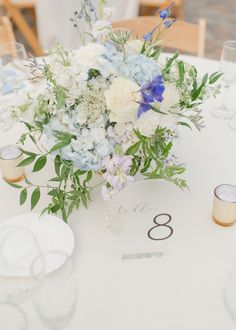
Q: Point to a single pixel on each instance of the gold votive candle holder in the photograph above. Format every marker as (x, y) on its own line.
(10, 157)
(224, 205)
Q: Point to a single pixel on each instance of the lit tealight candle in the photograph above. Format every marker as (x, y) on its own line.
(10, 157)
(224, 206)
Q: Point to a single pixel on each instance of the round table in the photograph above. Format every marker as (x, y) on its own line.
(180, 292)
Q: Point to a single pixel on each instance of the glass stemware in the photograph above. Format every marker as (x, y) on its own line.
(55, 293)
(228, 68)
(230, 294)
(18, 249)
(12, 317)
(14, 73)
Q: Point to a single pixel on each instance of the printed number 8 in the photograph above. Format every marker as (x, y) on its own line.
(158, 225)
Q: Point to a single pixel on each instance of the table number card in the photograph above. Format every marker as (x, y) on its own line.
(146, 219)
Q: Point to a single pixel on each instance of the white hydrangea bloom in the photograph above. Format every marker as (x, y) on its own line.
(88, 55)
(123, 134)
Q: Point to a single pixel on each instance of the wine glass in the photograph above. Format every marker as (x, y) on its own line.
(12, 317)
(230, 294)
(55, 293)
(228, 68)
(18, 249)
(13, 55)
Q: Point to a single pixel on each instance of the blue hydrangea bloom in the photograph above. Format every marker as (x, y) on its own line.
(136, 66)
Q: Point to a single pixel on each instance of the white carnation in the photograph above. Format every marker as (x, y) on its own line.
(88, 55)
(150, 120)
(122, 100)
(148, 123)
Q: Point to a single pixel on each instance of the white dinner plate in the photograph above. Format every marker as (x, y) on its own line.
(49, 232)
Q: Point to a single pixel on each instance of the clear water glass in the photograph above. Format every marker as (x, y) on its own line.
(12, 317)
(230, 294)
(228, 68)
(18, 249)
(55, 293)
(14, 72)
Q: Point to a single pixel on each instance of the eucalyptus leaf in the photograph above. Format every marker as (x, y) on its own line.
(57, 165)
(134, 148)
(27, 161)
(40, 163)
(35, 197)
(182, 123)
(14, 185)
(28, 153)
(60, 145)
(23, 196)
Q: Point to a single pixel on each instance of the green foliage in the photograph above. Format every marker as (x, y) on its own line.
(149, 157)
(61, 54)
(192, 90)
(69, 190)
(23, 196)
(35, 197)
(40, 163)
(27, 161)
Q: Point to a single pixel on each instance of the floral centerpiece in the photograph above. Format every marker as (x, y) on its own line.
(109, 107)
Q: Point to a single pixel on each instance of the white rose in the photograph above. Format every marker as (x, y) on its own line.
(171, 98)
(89, 54)
(122, 100)
(148, 123)
(101, 28)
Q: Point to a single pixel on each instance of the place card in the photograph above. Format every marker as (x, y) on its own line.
(147, 216)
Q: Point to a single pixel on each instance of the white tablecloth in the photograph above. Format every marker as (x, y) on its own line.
(54, 24)
(179, 292)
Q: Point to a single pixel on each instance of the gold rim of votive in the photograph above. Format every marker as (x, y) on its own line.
(223, 200)
(15, 180)
(10, 145)
(223, 224)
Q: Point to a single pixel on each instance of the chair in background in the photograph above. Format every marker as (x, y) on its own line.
(150, 7)
(182, 36)
(13, 9)
(6, 30)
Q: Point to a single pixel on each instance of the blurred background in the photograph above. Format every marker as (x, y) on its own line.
(220, 16)
(40, 23)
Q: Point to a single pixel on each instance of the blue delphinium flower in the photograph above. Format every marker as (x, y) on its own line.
(169, 23)
(166, 12)
(151, 92)
(148, 36)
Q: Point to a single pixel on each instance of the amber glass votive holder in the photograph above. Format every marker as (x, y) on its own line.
(10, 157)
(224, 205)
